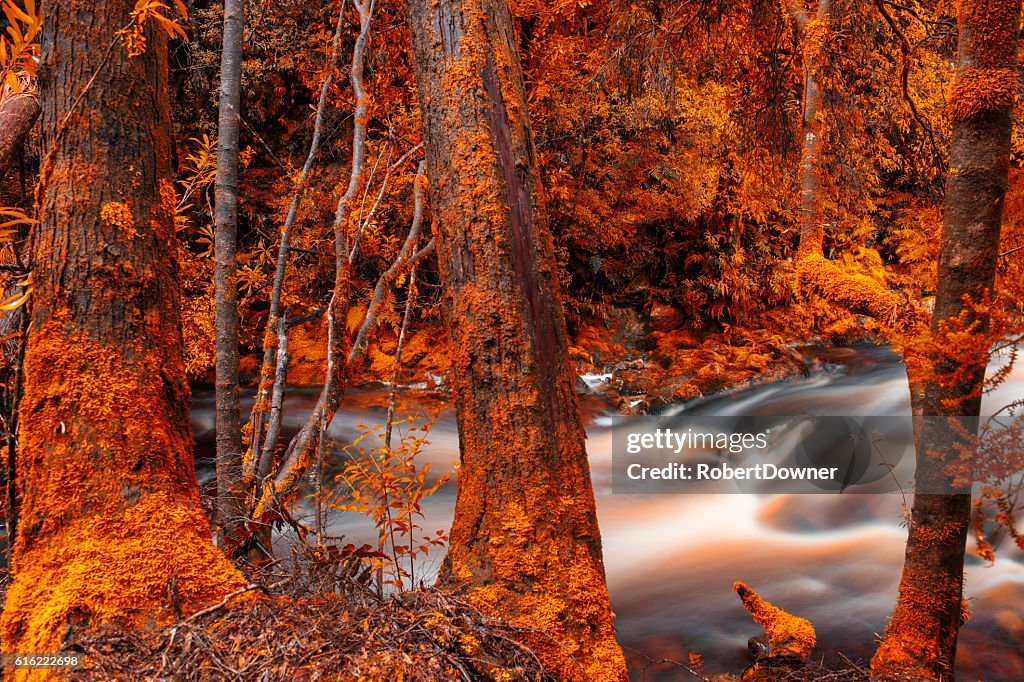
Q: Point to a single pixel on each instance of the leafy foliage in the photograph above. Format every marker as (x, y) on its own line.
(19, 49)
(388, 486)
(134, 35)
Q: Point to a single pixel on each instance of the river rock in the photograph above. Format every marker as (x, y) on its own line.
(664, 317)
(671, 390)
(632, 382)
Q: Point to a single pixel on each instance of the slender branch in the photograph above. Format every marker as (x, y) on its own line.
(906, 59)
(266, 147)
(277, 399)
(267, 369)
(297, 458)
(410, 298)
(424, 252)
(367, 185)
(389, 275)
(319, 496)
(315, 314)
(1012, 251)
(364, 223)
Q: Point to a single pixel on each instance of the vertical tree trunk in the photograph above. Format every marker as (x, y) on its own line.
(920, 640)
(230, 497)
(525, 541)
(111, 526)
(812, 231)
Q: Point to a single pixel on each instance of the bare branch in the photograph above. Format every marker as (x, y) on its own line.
(380, 195)
(298, 456)
(389, 275)
(276, 400)
(409, 300)
(906, 58)
(249, 463)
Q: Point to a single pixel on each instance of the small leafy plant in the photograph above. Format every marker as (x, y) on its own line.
(387, 485)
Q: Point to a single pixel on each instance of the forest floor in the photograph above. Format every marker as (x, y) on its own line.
(316, 616)
(321, 622)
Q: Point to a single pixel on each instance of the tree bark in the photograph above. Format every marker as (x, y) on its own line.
(812, 231)
(920, 640)
(525, 541)
(111, 525)
(230, 496)
(17, 116)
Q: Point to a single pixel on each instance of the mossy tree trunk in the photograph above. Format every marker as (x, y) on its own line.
(920, 640)
(525, 541)
(111, 526)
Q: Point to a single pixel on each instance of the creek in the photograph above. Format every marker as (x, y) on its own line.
(671, 559)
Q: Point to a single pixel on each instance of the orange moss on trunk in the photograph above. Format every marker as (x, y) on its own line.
(556, 601)
(913, 643)
(111, 529)
(921, 637)
(525, 542)
(147, 565)
(979, 92)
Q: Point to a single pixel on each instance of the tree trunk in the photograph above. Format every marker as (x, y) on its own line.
(525, 541)
(920, 640)
(812, 231)
(230, 497)
(111, 525)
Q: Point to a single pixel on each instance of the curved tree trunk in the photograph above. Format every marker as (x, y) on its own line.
(17, 116)
(920, 640)
(525, 541)
(230, 497)
(111, 526)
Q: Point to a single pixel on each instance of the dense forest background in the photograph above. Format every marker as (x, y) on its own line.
(669, 144)
(669, 140)
(493, 199)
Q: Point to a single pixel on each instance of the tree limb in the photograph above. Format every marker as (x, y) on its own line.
(17, 116)
(267, 369)
(388, 276)
(787, 634)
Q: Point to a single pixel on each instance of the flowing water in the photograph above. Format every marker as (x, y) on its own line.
(671, 559)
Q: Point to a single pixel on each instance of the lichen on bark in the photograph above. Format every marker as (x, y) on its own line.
(525, 542)
(112, 531)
